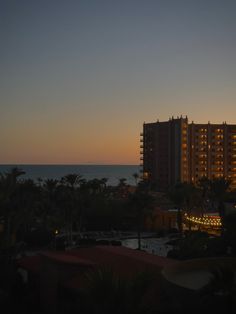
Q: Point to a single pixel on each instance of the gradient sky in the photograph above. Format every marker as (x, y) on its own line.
(79, 78)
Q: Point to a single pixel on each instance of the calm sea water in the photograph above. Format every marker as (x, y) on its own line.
(112, 172)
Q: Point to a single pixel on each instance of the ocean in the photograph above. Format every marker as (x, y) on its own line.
(112, 172)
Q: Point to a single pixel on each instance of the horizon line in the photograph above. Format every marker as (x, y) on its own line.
(66, 164)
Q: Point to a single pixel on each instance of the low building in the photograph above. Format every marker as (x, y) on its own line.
(56, 275)
(162, 220)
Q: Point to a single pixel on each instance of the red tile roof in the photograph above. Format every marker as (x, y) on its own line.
(123, 260)
(30, 263)
(62, 257)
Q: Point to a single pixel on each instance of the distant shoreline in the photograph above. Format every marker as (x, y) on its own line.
(113, 173)
(88, 164)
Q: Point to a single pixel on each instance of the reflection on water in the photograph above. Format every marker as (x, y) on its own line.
(151, 245)
(192, 279)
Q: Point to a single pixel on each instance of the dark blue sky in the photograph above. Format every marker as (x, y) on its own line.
(76, 72)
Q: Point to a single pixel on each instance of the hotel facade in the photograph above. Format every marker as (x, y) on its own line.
(177, 151)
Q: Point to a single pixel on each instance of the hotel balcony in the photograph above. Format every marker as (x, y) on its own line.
(217, 151)
(231, 158)
(217, 163)
(217, 144)
(203, 130)
(217, 171)
(231, 141)
(202, 157)
(201, 174)
(202, 169)
(217, 175)
(218, 130)
(217, 157)
(201, 142)
(232, 172)
(201, 151)
(201, 163)
(217, 137)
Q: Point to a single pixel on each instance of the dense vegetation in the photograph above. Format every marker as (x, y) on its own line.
(38, 210)
(33, 213)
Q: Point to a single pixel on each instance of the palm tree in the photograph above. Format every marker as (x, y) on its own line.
(122, 188)
(218, 190)
(176, 195)
(14, 173)
(71, 180)
(111, 292)
(203, 185)
(8, 204)
(141, 202)
(104, 182)
(185, 196)
(49, 213)
(70, 197)
(136, 177)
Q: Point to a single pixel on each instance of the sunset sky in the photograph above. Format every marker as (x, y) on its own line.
(79, 78)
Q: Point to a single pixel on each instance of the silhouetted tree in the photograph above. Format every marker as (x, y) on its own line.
(136, 177)
(9, 206)
(218, 190)
(141, 202)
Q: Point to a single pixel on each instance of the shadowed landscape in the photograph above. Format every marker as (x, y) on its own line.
(78, 227)
(118, 156)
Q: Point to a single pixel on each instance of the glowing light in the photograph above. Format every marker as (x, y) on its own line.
(213, 221)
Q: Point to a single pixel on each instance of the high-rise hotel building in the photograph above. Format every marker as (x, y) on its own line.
(178, 151)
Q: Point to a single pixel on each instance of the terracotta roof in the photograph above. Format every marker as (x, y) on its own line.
(62, 257)
(30, 263)
(123, 260)
(138, 255)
